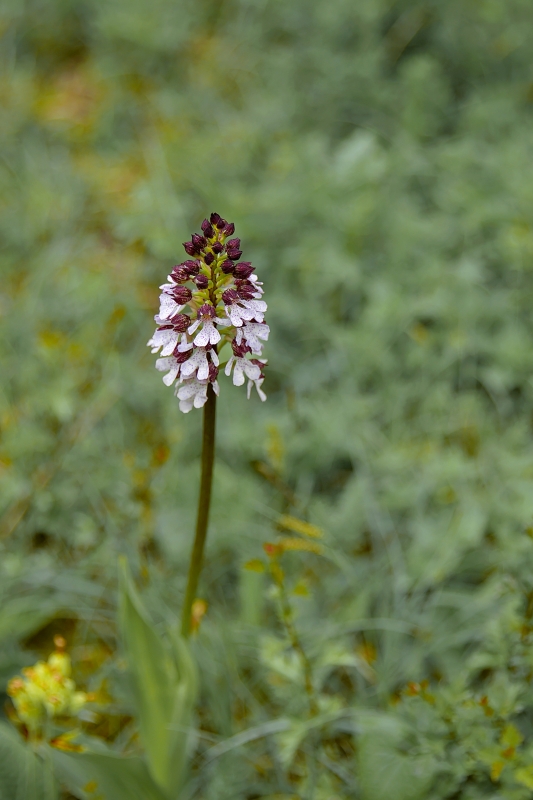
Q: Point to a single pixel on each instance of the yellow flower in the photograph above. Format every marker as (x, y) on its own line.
(45, 691)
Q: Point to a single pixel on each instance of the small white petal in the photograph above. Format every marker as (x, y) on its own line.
(171, 343)
(214, 335)
(203, 370)
(169, 307)
(193, 327)
(252, 371)
(200, 399)
(256, 305)
(238, 372)
(166, 339)
(186, 405)
(186, 390)
(235, 317)
(162, 364)
(214, 358)
(216, 387)
(229, 365)
(169, 379)
(202, 338)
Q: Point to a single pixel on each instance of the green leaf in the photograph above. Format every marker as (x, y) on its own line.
(525, 776)
(23, 774)
(511, 736)
(384, 771)
(99, 776)
(22, 616)
(165, 686)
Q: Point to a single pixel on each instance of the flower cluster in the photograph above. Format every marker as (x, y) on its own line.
(46, 691)
(210, 299)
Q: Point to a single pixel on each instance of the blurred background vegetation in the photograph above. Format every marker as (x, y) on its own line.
(376, 159)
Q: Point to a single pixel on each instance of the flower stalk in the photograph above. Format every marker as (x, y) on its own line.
(202, 518)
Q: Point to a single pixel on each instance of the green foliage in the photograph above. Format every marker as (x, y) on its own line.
(105, 776)
(164, 682)
(23, 775)
(376, 157)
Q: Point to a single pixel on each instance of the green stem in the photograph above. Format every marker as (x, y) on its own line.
(202, 519)
(287, 620)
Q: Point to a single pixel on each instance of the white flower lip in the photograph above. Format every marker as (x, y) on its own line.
(242, 367)
(167, 339)
(169, 307)
(252, 332)
(172, 365)
(192, 394)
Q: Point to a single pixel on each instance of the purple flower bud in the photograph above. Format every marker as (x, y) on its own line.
(234, 254)
(190, 248)
(228, 267)
(246, 292)
(215, 218)
(192, 267)
(201, 281)
(180, 273)
(213, 372)
(208, 229)
(180, 322)
(217, 248)
(209, 258)
(206, 312)
(229, 297)
(181, 294)
(240, 350)
(243, 270)
(181, 358)
(229, 229)
(198, 241)
(221, 224)
(233, 244)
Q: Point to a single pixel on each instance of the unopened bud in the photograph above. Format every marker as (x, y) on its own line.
(243, 270)
(192, 267)
(215, 218)
(198, 241)
(208, 229)
(227, 267)
(229, 229)
(246, 292)
(190, 248)
(229, 296)
(221, 224)
(233, 244)
(234, 254)
(201, 281)
(180, 274)
(180, 322)
(209, 258)
(182, 294)
(217, 248)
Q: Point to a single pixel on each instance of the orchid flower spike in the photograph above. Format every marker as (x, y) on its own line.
(210, 299)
